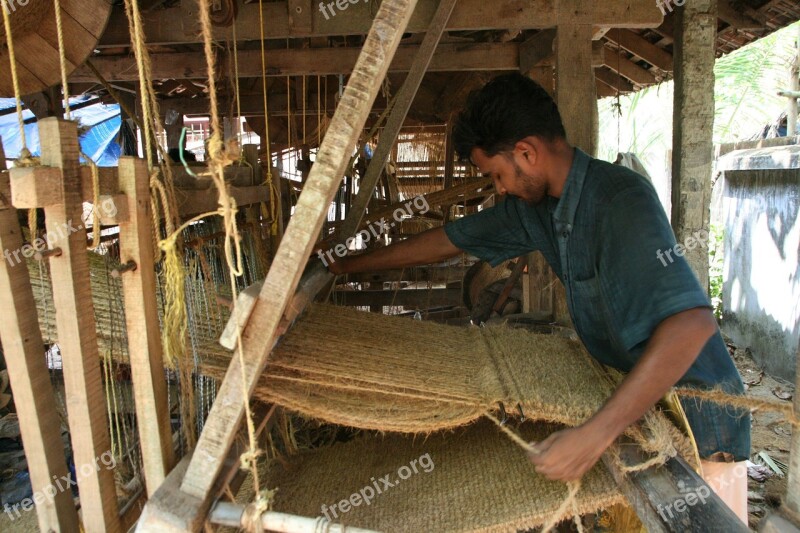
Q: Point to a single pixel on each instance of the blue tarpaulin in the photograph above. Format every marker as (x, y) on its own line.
(99, 142)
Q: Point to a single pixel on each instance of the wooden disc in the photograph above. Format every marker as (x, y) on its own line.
(33, 27)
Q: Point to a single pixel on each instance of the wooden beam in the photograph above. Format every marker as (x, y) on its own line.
(141, 317)
(262, 330)
(654, 493)
(23, 349)
(536, 49)
(739, 20)
(693, 112)
(417, 298)
(193, 202)
(629, 69)
(614, 81)
(435, 274)
(77, 336)
(307, 61)
(469, 15)
(404, 99)
(603, 90)
(641, 47)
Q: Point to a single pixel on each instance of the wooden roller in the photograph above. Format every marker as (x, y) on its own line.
(33, 27)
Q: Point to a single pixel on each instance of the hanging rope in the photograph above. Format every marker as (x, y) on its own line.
(271, 215)
(227, 207)
(62, 58)
(25, 159)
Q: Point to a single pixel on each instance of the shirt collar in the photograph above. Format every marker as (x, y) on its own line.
(571, 194)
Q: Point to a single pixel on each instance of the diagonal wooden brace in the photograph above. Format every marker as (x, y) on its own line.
(262, 331)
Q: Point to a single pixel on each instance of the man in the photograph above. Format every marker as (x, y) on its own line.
(600, 227)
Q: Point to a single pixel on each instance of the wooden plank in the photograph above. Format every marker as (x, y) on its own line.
(613, 81)
(192, 202)
(641, 47)
(261, 333)
(536, 49)
(77, 336)
(629, 69)
(404, 99)
(306, 61)
(693, 146)
(469, 15)
(301, 16)
(23, 350)
(141, 317)
(672, 498)
(738, 20)
(40, 57)
(603, 90)
(415, 298)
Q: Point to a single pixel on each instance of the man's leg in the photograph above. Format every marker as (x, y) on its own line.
(729, 481)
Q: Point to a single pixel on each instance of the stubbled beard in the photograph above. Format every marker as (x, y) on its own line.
(534, 190)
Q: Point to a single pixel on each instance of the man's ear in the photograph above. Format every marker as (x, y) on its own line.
(527, 153)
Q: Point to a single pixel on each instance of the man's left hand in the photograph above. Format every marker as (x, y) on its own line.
(568, 454)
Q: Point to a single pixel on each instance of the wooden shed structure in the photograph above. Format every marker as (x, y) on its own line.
(353, 102)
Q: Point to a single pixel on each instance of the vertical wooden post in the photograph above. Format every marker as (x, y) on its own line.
(77, 337)
(576, 95)
(141, 315)
(693, 116)
(576, 89)
(540, 283)
(39, 423)
(449, 162)
(794, 85)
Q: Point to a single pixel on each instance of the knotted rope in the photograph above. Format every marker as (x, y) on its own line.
(570, 502)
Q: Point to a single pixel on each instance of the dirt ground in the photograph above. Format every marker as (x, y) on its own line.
(770, 434)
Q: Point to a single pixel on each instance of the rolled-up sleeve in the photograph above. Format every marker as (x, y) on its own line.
(642, 288)
(495, 234)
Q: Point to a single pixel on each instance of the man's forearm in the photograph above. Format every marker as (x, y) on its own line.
(672, 349)
(428, 247)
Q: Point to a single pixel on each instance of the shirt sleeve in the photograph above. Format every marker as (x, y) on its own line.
(495, 234)
(643, 279)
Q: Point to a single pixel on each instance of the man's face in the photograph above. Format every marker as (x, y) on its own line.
(512, 173)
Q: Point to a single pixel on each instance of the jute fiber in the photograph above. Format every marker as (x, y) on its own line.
(377, 372)
(478, 480)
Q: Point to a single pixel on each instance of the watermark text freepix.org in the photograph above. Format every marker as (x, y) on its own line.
(9, 6)
(699, 495)
(341, 5)
(106, 207)
(699, 237)
(60, 484)
(378, 486)
(376, 229)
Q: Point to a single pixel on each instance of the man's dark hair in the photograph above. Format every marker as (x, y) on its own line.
(506, 110)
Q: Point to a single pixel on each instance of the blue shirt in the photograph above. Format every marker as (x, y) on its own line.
(602, 238)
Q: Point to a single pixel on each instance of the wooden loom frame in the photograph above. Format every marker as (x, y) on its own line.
(186, 494)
